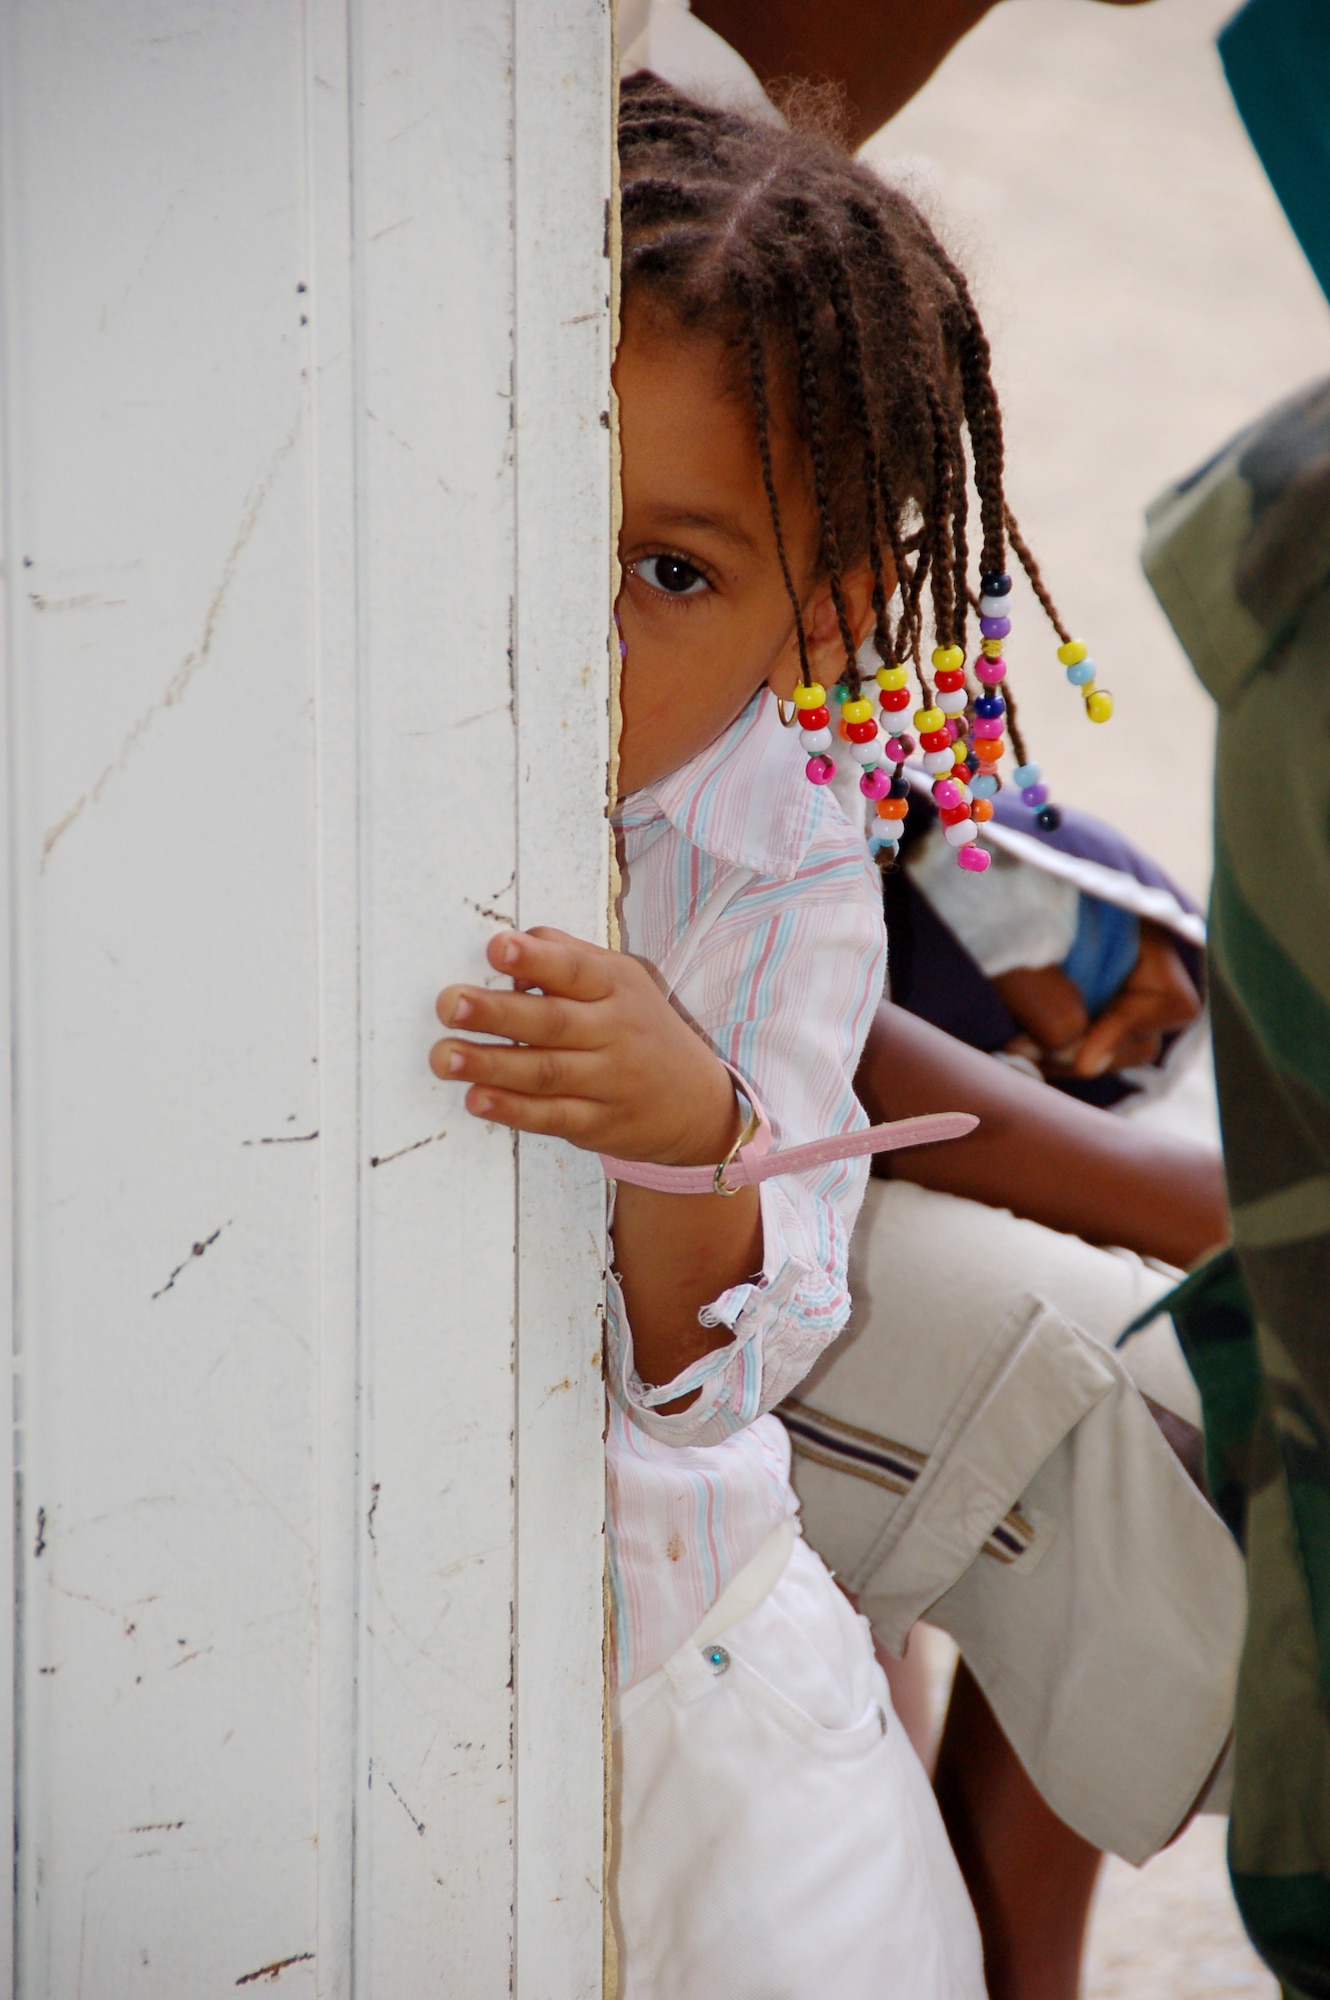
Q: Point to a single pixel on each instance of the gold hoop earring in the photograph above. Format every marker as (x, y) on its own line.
(787, 721)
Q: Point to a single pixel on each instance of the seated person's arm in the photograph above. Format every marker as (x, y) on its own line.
(1038, 1152)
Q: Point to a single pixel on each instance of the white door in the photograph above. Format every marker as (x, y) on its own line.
(306, 527)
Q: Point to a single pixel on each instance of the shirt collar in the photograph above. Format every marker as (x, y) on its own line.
(744, 799)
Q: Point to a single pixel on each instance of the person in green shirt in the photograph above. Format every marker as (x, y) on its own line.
(1239, 556)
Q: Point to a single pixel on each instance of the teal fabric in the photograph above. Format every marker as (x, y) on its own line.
(1276, 56)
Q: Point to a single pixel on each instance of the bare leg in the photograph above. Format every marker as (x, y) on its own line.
(912, 1696)
(1030, 1877)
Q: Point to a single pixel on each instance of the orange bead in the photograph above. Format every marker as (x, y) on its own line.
(892, 808)
(982, 809)
(989, 749)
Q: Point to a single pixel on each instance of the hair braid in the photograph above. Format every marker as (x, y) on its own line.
(1037, 584)
(806, 345)
(757, 363)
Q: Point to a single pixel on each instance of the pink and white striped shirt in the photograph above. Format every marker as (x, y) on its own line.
(757, 905)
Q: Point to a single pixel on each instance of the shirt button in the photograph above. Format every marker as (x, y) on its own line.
(716, 1658)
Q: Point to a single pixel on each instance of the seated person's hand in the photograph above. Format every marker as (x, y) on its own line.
(1156, 999)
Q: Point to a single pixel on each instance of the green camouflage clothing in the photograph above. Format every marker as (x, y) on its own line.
(1239, 556)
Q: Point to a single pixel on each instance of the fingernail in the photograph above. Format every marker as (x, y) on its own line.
(508, 951)
(456, 1063)
(481, 1107)
(463, 1010)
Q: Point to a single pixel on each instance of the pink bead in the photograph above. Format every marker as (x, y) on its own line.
(974, 857)
(819, 770)
(947, 793)
(991, 672)
(875, 784)
(950, 726)
(898, 750)
(989, 729)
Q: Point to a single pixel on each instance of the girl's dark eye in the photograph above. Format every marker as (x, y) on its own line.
(671, 574)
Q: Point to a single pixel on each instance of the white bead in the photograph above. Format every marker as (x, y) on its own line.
(953, 703)
(995, 607)
(961, 834)
(813, 742)
(886, 833)
(939, 760)
(965, 792)
(868, 753)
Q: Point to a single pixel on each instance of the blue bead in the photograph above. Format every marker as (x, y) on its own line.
(994, 583)
(984, 785)
(900, 788)
(1026, 774)
(1048, 820)
(989, 707)
(1083, 671)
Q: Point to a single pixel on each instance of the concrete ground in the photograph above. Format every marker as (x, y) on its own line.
(1145, 299)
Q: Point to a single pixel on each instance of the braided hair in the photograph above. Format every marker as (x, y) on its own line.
(831, 291)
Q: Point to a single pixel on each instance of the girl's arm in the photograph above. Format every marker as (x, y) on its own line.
(1039, 1152)
(599, 1057)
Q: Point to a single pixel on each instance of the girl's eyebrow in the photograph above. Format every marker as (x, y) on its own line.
(727, 526)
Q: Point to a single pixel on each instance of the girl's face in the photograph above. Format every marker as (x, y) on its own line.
(703, 609)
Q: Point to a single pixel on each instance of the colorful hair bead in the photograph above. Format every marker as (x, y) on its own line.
(815, 738)
(1081, 671)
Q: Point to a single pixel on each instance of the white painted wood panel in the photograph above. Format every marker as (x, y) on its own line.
(307, 556)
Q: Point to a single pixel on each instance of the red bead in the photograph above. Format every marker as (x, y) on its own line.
(814, 718)
(953, 815)
(948, 683)
(895, 698)
(861, 732)
(935, 739)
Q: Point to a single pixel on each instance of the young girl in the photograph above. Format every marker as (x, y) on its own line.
(799, 368)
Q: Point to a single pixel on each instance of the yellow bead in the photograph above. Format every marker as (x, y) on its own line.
(858, 710)
(1073, 652)
(1099, 705)
(892, 677)
(992, 649)
(948, 659)
(929, 718)
(810, 697)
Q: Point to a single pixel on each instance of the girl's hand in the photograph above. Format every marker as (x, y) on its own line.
(598, 1056)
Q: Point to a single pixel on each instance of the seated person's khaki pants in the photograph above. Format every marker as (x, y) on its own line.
(973, 1449)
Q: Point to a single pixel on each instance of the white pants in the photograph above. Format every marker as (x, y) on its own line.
(778, 1839)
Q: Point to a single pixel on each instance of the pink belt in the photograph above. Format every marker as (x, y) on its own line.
(751, 1160)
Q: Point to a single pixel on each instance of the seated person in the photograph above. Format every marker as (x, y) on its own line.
(1076, 955)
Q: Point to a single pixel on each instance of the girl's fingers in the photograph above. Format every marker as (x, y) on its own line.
(560, 1117)
(555, 962)
(545, 1073)
(545, 1021)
